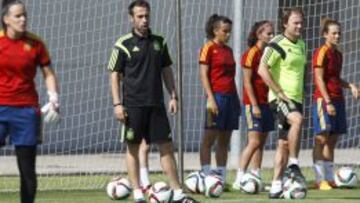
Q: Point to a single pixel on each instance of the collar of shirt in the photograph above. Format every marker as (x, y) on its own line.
(139, 38)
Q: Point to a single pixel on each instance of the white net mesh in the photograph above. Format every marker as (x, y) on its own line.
(80, 35)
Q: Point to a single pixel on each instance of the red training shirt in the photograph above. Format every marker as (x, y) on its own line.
(18, 61)
(251, 60)
(221, 64)
(331, 60)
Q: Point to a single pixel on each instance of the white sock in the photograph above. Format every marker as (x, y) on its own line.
(329, 170)
(256, 171)
(138, 194)
(239, 175)
(206, 169)
(222, 170)
(276, 186)
(293, 160)
(144, 177)
(319, 170)
(178, 194)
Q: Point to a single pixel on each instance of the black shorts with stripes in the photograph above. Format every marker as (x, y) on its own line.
(281, 111)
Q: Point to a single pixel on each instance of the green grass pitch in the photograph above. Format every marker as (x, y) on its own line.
(99, 196)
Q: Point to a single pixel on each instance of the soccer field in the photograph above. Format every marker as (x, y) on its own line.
(99, 196)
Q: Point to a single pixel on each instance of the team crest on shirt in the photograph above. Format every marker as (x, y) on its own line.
(130, 134)
(27, 46)
(156, 46)
(136, 49)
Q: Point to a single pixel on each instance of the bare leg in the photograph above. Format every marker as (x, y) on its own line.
(329, 148)
(256, 159)
(295, 119)
(144, 163)
(252, 151)
(168, 164)
(132, 161)
(281, 158)
(222, 148)
(206, 144)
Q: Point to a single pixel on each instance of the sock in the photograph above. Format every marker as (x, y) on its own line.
(206, 169)
(26, 160)
(222, 170)
(178, 194)
(256, 171)
(239, 175)
(293, 161)
(329, 170)
(144, 177)
(276, 186)
(138, 194)
(319, 170)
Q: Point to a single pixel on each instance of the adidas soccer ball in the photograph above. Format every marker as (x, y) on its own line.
(160, 192)
(346, 177)
(293, 189)
(251, 183)
(195, 182)
(118, 188)
(213, 186)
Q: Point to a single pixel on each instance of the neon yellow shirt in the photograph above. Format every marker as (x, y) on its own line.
(287, 61)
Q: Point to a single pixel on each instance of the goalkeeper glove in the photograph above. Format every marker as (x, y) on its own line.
(49, 111)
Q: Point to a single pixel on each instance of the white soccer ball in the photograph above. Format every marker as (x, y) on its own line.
(293, 189)
(251, 183)
(160, 192)
(213, 186)
(346, 177)
(118, 188)
(195, 182)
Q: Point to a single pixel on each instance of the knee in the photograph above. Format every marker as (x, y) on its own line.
(208, 141)
(297, 120)
(320, 140)
(255, 144)
(165, 148)
(283, 145)
(144, 148)
(133, 149)
(223, 141)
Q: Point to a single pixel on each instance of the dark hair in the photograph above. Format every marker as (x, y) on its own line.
(213, 23)
(286, 15)
(139, 3)
(6, 4)
(325, 24)
(255, 30)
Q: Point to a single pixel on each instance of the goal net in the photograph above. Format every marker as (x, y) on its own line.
(84, 150)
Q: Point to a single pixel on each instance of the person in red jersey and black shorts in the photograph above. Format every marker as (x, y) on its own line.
(21, 52)
(329, 116)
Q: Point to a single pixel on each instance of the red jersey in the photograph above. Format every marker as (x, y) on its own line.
(221, 64)
(331, 61)
(251, 60)
(18, 61)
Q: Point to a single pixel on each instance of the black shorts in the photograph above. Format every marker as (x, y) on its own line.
(281, 111)
(149, 123)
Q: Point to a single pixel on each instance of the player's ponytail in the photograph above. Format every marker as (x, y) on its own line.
(212, 24)
(5, 6)
(325, 24)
